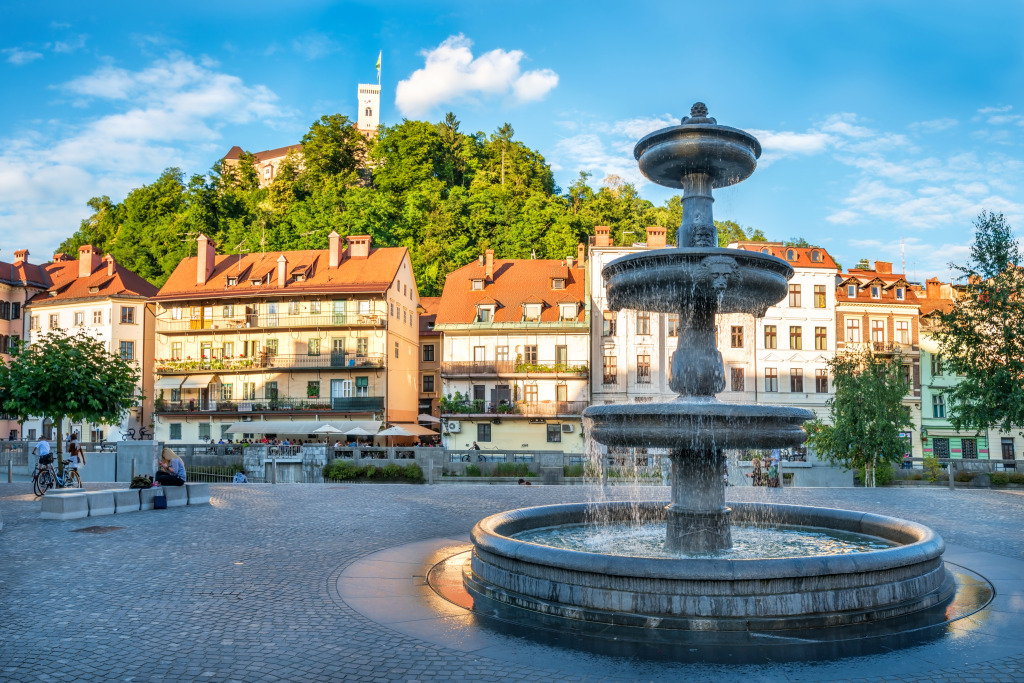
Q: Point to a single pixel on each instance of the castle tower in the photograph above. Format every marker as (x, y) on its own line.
(369, 108)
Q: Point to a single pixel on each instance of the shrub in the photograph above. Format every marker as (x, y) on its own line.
(572, 470)
(512, 469)
(370, 471)
(964, 476)
(473, 471)
(917, 476)
(391, 471)
(931, 468)
(1000, 478)
(339, 470)
(1016, 478)
(412, 472)
(883, 474)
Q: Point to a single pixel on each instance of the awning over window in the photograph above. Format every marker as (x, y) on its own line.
(168, 383)
(416, 430)
(197, 382)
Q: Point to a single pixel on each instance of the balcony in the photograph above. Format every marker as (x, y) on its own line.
(338, 404)
(878, 347)
(517, 408)
(267, 361)
(259, 321)
(508, 368)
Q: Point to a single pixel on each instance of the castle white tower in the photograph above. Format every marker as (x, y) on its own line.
(369, 108)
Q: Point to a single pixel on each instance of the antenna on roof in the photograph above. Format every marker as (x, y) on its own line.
(188, 238)
(533, 253)
(240, 249)
(306, 235)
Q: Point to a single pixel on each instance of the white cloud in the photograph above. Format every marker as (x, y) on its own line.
(451, 74)
(314, 45)
(934, 125)
(71, 44)
(170, 113)
(995, 110)
(15, 55)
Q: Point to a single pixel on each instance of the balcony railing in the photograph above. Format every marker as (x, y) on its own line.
(878, 347)
(265, 320)
(508, 367)
(524, 408)
(266, 360)
(343, 404)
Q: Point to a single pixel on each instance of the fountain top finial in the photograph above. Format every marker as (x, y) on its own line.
(698, 114)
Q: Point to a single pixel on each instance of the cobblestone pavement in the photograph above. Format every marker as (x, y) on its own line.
(242, 590)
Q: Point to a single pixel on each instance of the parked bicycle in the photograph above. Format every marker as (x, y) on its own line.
(45, 477)
(129, 434)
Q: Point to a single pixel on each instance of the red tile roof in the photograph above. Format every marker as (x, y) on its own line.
(67, 286)
(372, 274)
(236, 152)
(428, 317)
(23, 273)
(887, 281)
(515, 282)
(802, 255)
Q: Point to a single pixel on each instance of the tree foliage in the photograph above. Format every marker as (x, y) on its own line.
(444, 193)
(866, 414)
(982, 337)
(68, 376)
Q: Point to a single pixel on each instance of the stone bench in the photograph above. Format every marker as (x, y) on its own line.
(66, 504)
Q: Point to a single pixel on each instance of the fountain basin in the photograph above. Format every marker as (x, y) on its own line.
(727, 155)
(697, 424)
(675, 279)
(708, 594)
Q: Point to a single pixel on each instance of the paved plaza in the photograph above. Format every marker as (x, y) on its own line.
(252, 588)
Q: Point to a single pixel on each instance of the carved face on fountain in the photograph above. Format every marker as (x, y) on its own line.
(721, 272)
(705, 235)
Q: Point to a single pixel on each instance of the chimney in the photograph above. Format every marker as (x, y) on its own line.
(581, 253)
(656, 237)
(480, 260)
(21, 256)
(489, 265)
(934, 288)
(111, 265)
(59, 257)
(282, 270)
(568, 262)
(603, 236)
(88, 260)
(884, 267)
(207, 256)
(358, 246)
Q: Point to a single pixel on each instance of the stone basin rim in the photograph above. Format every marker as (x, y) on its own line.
(493, 535)
(704, 132)
(686, 257)
(687, 407)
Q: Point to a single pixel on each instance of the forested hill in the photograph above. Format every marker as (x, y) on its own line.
(443, 193)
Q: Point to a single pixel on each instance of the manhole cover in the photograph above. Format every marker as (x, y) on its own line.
(98, 529)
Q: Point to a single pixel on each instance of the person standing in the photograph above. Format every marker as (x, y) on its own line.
(42, 449)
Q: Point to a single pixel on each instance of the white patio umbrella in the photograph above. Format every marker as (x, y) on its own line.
(359, 431)
(395, 431)
(327, 429)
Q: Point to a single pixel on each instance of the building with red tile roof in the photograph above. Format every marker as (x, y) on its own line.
(248, 343)
(430, 357)
(19, 282)
(515, 365)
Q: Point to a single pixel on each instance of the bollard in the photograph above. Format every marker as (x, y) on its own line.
(952, 486)
(10, 471)
(133, 468)
(273, 471)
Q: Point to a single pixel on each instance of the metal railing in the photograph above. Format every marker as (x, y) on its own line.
(376, 318)
(574, 368)
(358, 404)
(266, 360)
(524, 408)
(878, 346)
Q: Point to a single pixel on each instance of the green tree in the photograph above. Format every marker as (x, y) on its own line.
(797, 242)
(866, 414)
(68, 376)
(982, 337)
(332, 147)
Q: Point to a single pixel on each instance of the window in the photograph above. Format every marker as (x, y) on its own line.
(1008, 450)
(969, 449)
(226, 393)
(204, 431)
(362, 386)
(483, 432)
(293, 308)
(396, 349)
(33, 322)
(229, 349)
(561, 355)
(672, 325)
(428, 384)
(248, 391)
(554, 433)
(608, 327)
(851, 291)
(501, 353)
(643, 369)
(940, 448)
(878, 331)
(737, 336)
(770, 337)
(484, 314)
(477, 285)
(175, 395)
(611, 370)
(899, 294)
(176, 353)
(313, 388)
(206, 350)
(54, 321)
(15, 311)
(567, 311)
(362, 346)
(530, 393)
(530, 353)
(267, 170)
(79, 318)
(368, 111)
(796, 339)
(902, 331)
(561, 393)
(557, 283)
(938, 405)
(852, 330)
(876, 292)
(128, 350)
(794, 296)
(820, 338)
(819, 296)
(228, 311)
(175, 431)
(531, 313)
(428, 353)
(790, 255)
(312, 347)
(816, 256)
(270, 391)
(736, 377)
(364, 307)
(128, 315)
(936, 364)
(479, 392)
(821, 381)
(97, 317)
(392, 307)
(796, 380)
(643, 323)
(314, 308)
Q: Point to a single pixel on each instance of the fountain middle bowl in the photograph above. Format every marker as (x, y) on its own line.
(708, 594)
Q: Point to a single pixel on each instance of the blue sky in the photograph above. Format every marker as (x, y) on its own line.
(880, 121)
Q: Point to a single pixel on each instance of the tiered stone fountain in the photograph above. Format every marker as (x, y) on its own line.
(698, 588)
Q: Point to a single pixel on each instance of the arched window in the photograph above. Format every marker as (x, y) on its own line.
(815, 256)
(765, 250)
(369, 111)
(791, 255)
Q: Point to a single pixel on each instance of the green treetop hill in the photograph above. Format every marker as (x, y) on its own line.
(443, 193)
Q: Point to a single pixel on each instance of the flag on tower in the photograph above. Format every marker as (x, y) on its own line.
(379, 54)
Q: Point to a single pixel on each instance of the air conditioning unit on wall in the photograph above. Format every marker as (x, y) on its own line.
(567, 428)
(453, 426)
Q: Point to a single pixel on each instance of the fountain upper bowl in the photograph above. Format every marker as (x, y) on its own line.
(728, 155)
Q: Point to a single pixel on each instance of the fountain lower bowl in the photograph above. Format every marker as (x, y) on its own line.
(708, 594)
(697, 424)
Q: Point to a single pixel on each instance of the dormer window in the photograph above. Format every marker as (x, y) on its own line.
(255, 282)
(477, 285)
(765, 250)
(531, 313)
(232, 281)
(899, 294)
(94, 290)
(484, 314)
(816, 256)
(876, 292)
(300, 277)
(558, 283)
(791, 255)
(851, 291)
(567, 311)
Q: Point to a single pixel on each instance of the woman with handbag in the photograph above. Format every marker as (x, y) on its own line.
(170, 469)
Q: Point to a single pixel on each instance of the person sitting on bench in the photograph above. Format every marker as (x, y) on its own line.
(171, 470)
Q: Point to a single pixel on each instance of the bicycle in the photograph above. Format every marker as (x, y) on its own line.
(45, 477)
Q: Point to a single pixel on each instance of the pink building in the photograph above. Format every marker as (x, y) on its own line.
(19, 282)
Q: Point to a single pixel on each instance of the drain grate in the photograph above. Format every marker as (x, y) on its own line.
(98, 529)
